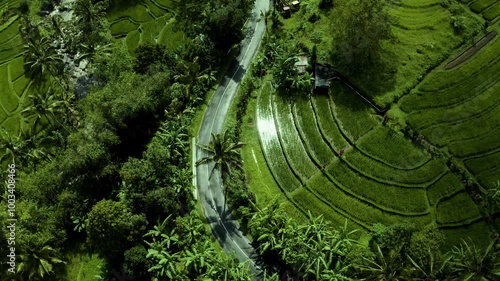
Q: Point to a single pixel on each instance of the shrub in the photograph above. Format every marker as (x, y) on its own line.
(325, 4)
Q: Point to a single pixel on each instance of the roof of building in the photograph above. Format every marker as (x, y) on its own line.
(321, 79)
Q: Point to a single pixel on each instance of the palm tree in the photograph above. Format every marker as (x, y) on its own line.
(36, 264)
(45, 105)
(193, 78)
(470, 263)
(225, 154)
(41, 57)
(88, 14)
(15, 147)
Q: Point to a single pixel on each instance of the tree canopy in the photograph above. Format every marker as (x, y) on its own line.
(358, 29)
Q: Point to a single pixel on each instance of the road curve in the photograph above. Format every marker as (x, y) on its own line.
(211, 196)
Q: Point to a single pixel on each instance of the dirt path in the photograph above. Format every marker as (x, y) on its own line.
(469, 53)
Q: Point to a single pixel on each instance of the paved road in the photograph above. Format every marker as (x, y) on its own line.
(211, 195)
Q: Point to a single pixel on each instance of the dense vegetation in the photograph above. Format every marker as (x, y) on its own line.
(103, 161)
(107, 96)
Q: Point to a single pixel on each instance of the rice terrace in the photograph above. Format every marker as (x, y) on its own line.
(264, 140)
(333, 154)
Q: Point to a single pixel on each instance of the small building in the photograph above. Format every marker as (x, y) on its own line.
(301, 64)
(322, 77)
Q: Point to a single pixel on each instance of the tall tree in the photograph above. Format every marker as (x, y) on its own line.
(358, 28)
(223, 152)
(41, 57)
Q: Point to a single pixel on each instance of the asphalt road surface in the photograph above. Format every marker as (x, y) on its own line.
(211, 195)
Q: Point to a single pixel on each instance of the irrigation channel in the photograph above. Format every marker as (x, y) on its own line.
(210, 190)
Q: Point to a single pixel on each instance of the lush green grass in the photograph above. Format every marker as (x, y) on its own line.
(327, 124)
(290, 141)
(446, 186)
(171, 37)
(443, 133)
(486, 101)
(488, 162)
(477, 232)
(270, 143)
(152, 29)
(420, 176)
(459, 208)
(83, 266)
(307, 201)
(147, 21)
(479, 5)
(475, 144)
(360, 212)
(405, 200)
(492, 12)
(122, 27)
(307, 126)
(355, 117)
(259, 178)
(489, 178)
(392, 148)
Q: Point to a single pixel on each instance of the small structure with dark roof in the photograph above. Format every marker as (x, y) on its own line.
(322, 76)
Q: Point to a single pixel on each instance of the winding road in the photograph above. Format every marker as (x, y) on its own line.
(211, 196)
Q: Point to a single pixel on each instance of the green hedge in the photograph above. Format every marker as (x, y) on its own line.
(445, 186)
(327, 124)
(481, 164)
(480, 5)
(290, 140)
(355, 117)
(307, 125)
(492, 12)
(392, 148)
(459, 208)
(405, 200)
(270, 143)
(421, 176)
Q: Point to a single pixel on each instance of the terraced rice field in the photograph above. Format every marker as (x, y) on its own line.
(14, 86)
(424, 37)
(147, 21)
(332, 155)
(459, 110)
(489, 9)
